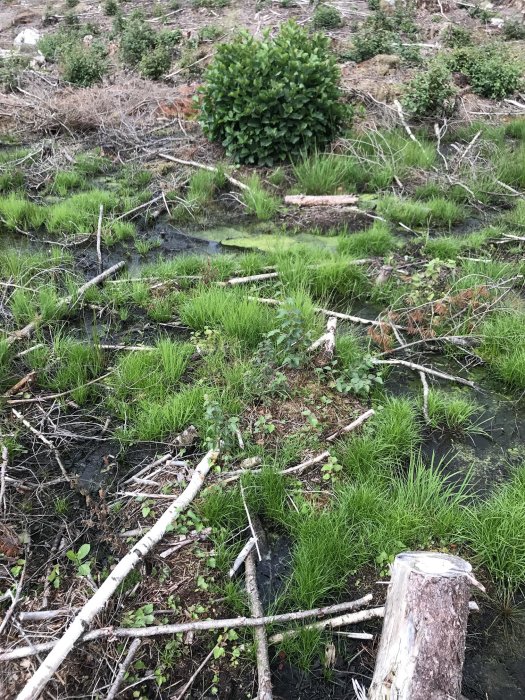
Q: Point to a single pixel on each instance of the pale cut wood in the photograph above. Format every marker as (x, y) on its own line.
(83, 620)
(332, 200)
(422, 645)
(202, 166)
(327, 340)
(351, 426)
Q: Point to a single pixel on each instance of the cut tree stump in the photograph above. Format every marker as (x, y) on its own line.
(422, 645)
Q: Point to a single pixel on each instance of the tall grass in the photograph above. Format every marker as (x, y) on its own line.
(504, 347)
(376, 240)
(259, 201)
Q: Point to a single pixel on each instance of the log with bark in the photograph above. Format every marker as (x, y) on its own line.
(422, 645)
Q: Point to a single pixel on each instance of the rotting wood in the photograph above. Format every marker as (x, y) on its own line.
(297, 469)
(209, 168)
(422, 644)
(351, 426)
(95, 604)
(331, 623)
(29, 329)
(334, 200)
(264, 690)
(427, 370)
(197, 625)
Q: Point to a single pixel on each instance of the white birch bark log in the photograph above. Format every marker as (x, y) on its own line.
(422, 645)
(82, 621)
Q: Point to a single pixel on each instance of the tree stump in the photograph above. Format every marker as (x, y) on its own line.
(422, 645)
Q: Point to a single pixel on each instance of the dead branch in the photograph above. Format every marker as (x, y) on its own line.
(196, 626)
(351, 426)
(404, 123)
(210, 168)
(43, 439)
(99, 236)
(331, 623)
(194, 675)
(264, 691)
(133, 648)
(3, 473)
(246, 280)
(20, 384)
(16, 597)
(327, 339)
(427, 370)
(334, 200)
(82, 621)
(424, 382)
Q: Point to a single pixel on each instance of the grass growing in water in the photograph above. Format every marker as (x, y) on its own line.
(452, 412)
(436, 211)
(376, 240)
(504, 347)
(258, 201)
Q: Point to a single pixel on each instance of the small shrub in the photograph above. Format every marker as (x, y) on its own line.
(456, 37)
(155, 63)
(430, 94)
(11, 69)
(514, 31)
(265, 100)
(137, 39)
(111, 8)
(327, 17)
(169, 38)
(491, 72)
(82, 65)
(370, 42)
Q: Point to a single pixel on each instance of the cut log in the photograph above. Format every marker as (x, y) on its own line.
(422, 645)
(334, 200)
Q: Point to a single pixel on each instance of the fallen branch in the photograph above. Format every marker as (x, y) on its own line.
(51, 397)
(82, 621)
(123, 668)
(331, 623)
(16, 597)
(41, 615)
(44, 440)
(297, 469)
(427, 370)
(194, 675)
(264, 690)
(351, 426)
(99, 237)
(195, 626)
(68, 301)
(251, 278)
(15, 389)
(399, 109)
(209, 168)
(3, 473)
(334, 200)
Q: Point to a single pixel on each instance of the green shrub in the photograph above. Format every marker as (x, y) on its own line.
(266, 100)
(83, 65)
(111, 8)
(137, 40)
(155, 63)
(514, 31)
(371, 41)
(326, 17)
(489, 69)
(430, 94)
(169, 38)
(11, 69)
(456, 37)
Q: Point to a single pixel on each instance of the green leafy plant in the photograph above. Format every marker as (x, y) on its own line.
(331, 468)
(288, 342)
(266, 100)
(83, 65)
(111, 8)
(155, 63)
(430, 94)
(78, 559)
(514, 31)
(489, 69)
(11, 69)
(455, 37)
(220, 430)
(327, 17)
(141, 617)
(137, 40)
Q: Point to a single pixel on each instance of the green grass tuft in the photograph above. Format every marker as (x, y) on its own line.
(377, 240)
(259, 202)
(452, 412)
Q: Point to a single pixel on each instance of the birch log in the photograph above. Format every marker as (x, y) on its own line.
(264, 691)
(422, 645)
(82, 621)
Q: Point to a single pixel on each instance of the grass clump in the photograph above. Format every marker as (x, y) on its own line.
(202, 187)
(67, 180)
(436, 211)
(92, 163)
(320, 173)
(376, 240)
(26, 305)
(259, 201)
(79, 213)
(496, 533)
(242, 98)
(157, 420)
(451, 412)
(18, 212)
(229, 311)
(11, 180)
(504, 347)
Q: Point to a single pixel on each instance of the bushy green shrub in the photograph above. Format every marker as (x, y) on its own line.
(327, 17)
(155, 63)
(489, 69)
(10, 70)
(514, 31)
(83, 65)
(370, 42)
(430, 93)
(455, 37)
(169, 38)
(383, 33)
(138, 39)
(266, 100)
